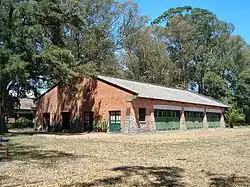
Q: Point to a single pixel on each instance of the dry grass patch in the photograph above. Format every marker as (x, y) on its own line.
(215, 157)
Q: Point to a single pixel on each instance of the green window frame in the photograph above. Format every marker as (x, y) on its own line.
(167, 119)
(213, 120)
(194, 120)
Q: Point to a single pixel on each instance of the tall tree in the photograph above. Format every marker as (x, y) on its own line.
(241, 92)
(191, 34)
(15, 47)
(223, 70)
(146, 58)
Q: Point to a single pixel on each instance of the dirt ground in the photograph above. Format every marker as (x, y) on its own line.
(213, 157)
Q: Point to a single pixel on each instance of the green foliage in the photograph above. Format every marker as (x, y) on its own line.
(242, 87)
(146, 57)
(192, 37)
(234, 115)
(22, 122)
(214, 85)
(100, 126)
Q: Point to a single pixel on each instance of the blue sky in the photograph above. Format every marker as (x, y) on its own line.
(233, 11)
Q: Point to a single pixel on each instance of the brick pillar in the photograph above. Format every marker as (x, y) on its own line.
(205, 123)
(183, 121)
(222, 121)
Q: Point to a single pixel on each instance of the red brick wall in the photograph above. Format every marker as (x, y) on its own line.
(89, 95)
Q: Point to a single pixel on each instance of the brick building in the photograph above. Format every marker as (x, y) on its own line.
(128, 106)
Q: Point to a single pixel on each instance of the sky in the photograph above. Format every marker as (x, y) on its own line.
(236, 12)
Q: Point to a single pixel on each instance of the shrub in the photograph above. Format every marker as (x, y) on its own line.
(233, 116)
(22, 122)
(100, 126)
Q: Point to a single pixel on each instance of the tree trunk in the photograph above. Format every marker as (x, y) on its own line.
(231, 125)
(185, 76)
(200, 88)
(3, 127)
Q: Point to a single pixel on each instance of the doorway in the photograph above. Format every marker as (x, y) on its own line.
(114, 121)
(88, 121)
(65, 120)
(46, 121)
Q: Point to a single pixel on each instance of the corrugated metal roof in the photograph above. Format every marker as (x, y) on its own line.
(163, 93)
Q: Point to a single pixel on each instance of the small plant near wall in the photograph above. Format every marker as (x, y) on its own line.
(100, 126)
(22, 122)
(233, 116)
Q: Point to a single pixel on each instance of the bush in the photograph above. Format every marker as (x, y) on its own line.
(233, 116)
(100, 126)
(22, 122)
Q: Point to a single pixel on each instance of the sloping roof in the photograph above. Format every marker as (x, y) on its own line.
(151, 91)
(26, 104)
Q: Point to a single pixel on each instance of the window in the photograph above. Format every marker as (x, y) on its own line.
(169, 114)
(164, 114)
(86, 117)
(156, 113)
(160, 113)
(142, 114)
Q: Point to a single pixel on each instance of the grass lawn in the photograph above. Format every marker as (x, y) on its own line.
(214, 157)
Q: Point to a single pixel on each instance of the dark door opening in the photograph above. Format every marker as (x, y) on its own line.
(88, 121)
(65, 120)
(46, 121)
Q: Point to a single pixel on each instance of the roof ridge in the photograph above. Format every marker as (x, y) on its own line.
(136, 81)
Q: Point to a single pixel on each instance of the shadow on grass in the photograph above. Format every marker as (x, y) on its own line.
(31, 133)
(223, 180)
(140, 176)
(29, 154)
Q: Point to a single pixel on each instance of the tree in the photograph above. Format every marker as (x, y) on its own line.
(90, 32)
(242, 87)
(193, 35)
(146, 58)
(13, 55)
(223, 70)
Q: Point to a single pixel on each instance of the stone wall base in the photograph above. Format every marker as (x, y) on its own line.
(222, 121)
(131, 126)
